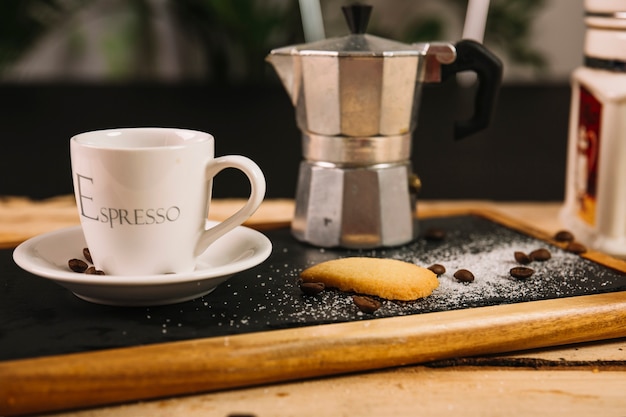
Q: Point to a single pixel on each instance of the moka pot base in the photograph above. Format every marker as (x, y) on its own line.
(355, 193)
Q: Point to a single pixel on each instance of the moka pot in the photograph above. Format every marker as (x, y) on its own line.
(356, 99)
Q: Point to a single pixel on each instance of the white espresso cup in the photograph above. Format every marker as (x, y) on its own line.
(143, 197)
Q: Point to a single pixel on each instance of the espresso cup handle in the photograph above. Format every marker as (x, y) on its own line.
(257, 193)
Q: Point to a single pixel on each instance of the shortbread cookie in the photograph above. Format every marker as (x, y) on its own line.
(386, 278)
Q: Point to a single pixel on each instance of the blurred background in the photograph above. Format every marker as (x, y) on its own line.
(67, 66)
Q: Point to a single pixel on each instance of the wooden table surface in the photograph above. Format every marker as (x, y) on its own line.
(575, 380)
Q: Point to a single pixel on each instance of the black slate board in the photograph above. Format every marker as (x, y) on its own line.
(40, 318)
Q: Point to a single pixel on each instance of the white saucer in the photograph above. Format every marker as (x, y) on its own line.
(47, 256)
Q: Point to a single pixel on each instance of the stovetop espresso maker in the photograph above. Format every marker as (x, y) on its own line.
(356, 99)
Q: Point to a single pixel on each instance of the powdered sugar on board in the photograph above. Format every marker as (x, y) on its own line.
(479, 245)
(268, 296)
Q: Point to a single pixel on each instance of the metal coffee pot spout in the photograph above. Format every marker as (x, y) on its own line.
(356, 101)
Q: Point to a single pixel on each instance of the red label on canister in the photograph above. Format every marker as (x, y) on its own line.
(587, 147)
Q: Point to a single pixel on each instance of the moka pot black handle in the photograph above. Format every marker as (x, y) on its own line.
(473, 56)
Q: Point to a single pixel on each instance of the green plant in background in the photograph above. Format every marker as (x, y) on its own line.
(22, 22)
(508, 27)
(237, 34)
(232, 36)
(130, 47)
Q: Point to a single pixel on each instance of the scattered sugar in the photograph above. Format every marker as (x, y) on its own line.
(488, 255)
(271, 298)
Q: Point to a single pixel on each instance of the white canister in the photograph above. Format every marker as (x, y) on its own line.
(595, 194)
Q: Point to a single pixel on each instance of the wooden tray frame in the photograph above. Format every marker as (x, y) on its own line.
(217, 363)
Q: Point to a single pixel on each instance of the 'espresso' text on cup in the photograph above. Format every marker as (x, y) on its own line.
(122, 216)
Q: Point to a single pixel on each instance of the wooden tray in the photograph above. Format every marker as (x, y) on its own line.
(287, 336)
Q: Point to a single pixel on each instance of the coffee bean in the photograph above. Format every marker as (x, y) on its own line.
(464, 275)
(563, 236)
(93, 271)
(366, 304)
(77, 265)
(521, 272)
(575, 247)
(540, 255)
(435, 234)
(87, 255)
(522, 258)
(312, 288)
(438, 269)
